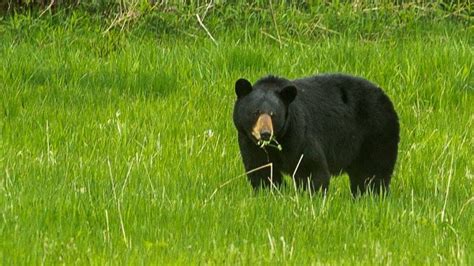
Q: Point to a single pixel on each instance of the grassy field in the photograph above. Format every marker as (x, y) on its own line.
(114, 135)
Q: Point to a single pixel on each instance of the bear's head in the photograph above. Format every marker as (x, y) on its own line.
(261, 110)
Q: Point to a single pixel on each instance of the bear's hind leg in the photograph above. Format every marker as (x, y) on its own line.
(373, 168)
(362, 182)
(357, 183)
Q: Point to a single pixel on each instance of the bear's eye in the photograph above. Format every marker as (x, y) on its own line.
(257, 113)
(272, 114)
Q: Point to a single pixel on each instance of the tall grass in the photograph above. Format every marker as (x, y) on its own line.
(113, 141)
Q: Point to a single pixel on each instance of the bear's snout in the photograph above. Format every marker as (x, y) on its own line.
(263, 128)
(266, 135)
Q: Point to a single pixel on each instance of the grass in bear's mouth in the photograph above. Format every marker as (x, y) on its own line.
(268, 143)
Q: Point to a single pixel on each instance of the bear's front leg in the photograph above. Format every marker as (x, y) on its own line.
(313, 178)
(256, 162)
(312, 172)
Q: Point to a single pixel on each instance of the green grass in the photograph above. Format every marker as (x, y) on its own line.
(111, 144)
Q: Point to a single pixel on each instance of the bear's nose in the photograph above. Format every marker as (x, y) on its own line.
(265, 135)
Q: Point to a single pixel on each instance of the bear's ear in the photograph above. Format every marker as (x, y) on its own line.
(288, 94)
(242, 87)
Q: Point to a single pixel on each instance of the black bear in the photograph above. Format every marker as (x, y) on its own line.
(315, 127)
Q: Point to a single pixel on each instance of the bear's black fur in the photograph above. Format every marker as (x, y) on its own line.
(339, 123)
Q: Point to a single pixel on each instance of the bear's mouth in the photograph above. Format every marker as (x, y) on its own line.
(262, 131)
(270, 143)
(263, 128)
